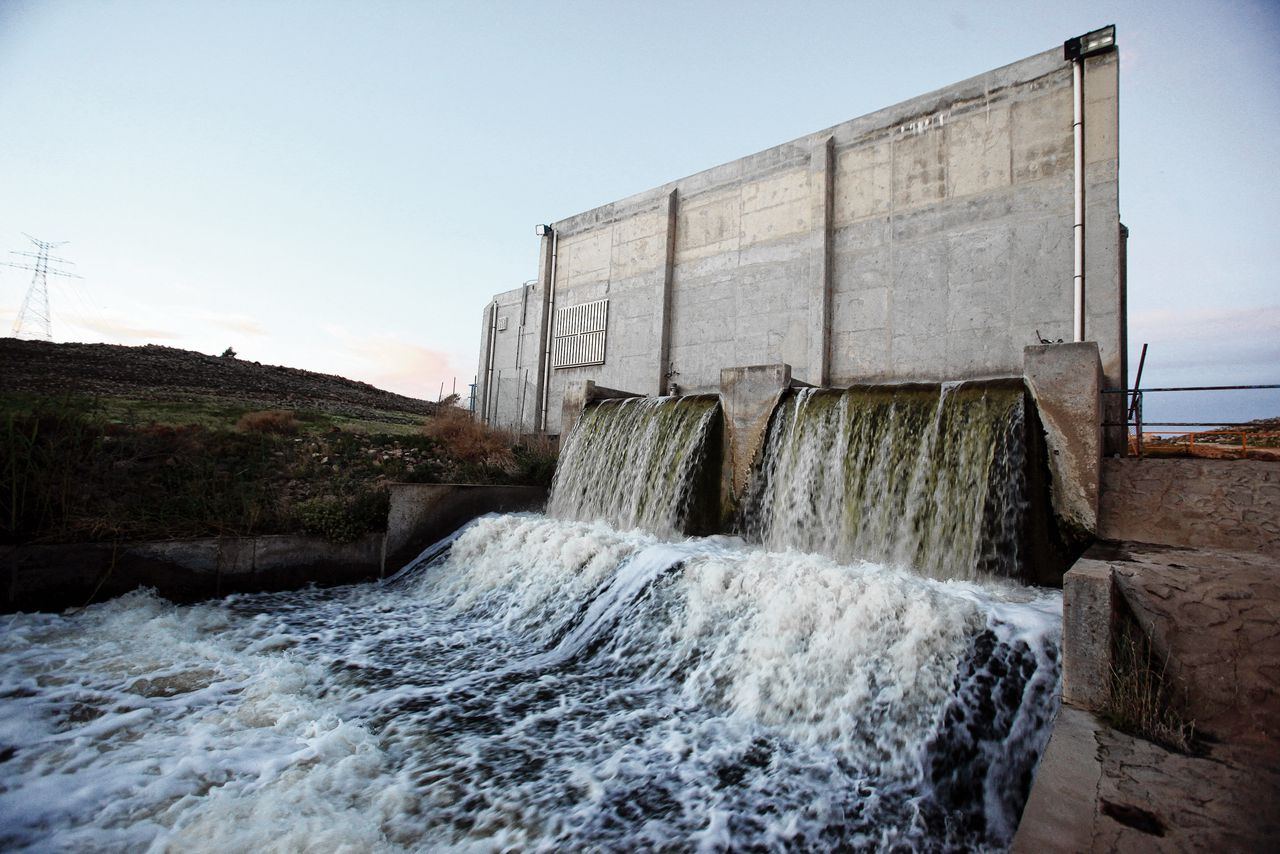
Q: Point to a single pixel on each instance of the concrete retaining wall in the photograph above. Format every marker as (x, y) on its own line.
(928, 241)
(1225, 504)
(54, 577)
(424, 513)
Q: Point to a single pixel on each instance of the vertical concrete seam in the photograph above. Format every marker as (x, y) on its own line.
(828, 221)
(668, 273)
(822, 174)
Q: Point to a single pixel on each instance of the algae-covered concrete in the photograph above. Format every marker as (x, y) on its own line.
(577, 395)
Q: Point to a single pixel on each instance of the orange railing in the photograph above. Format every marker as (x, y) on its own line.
(1168, 444)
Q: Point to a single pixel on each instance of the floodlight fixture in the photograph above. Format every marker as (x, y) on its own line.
(542, 230)
(1090, 44)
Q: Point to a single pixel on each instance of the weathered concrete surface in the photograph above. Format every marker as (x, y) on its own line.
(748, 397)
(424, 513)
(1088, 615)
(1214, 617)
(1099, 790)
(1221, 504)
(1065, 380)
(576, 397)
(927, 241)
(507, 396)
(54, 577)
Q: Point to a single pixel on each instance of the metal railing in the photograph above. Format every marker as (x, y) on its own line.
(1133, 416)
(1191, 436)
(1134, 420)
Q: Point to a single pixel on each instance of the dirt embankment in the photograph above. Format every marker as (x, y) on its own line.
(108, 443)
(153, 372)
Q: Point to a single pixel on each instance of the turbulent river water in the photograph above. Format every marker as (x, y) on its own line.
(541, 685)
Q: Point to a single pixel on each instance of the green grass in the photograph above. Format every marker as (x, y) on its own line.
(78, 469)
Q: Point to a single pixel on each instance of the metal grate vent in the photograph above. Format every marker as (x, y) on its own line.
(580, 334)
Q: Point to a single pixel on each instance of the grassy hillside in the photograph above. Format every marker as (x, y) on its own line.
(134, 462)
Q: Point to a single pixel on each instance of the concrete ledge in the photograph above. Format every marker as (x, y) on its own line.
(578, 394)
(423, 513)
(1099, 790)
(1060, 812)
(1089, 601)
(55, 577)
(1197, 503)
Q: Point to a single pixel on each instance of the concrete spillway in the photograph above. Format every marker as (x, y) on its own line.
(594, 681)
(634, 462)
(929, 478)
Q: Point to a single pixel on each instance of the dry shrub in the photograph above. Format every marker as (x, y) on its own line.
(468, 439)
(1143, 700)
(279, 421)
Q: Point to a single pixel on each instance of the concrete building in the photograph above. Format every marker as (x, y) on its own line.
(928, 241)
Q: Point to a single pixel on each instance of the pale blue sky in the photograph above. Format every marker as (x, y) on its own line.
(340, 186)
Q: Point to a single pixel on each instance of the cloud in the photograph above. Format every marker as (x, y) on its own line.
(120, 330)
(1238, 345)
(233, 322)
(397, 365)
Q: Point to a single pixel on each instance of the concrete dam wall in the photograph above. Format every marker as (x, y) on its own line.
(930, 241)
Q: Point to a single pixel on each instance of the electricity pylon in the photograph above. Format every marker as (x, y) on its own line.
(34, 319)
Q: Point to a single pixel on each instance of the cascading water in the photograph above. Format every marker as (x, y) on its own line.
(632, 462)
(540, 683)
(547, 685)
(922, 477)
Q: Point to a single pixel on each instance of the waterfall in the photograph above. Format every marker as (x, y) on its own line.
(929, 478)
(538, 685)
(633, 462)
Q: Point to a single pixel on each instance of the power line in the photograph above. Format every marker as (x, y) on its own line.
(35, 320)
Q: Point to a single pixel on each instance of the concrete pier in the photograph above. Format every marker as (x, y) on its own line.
(748, 397)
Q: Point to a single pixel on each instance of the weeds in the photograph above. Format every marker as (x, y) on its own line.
(1143, 702)
(346, 519)
(281, 422)
(471, 440)
(41, 453)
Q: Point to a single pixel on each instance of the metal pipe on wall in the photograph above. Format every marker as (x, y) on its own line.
(550, 330)
(1077, 128)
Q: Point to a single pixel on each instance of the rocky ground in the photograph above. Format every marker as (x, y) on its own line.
(166, 373)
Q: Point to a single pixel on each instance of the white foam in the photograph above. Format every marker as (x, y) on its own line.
(549, 685)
